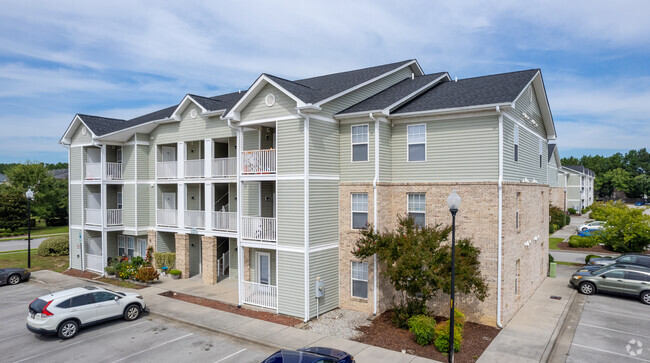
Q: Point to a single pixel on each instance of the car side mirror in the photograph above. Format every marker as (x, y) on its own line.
(603, 276)
(117, 298)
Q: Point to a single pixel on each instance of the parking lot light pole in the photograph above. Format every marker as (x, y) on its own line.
(30, 196)
(453, 202)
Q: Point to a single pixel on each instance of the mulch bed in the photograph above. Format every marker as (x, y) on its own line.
(79, 273)
(382, 333)
(214, 304)
(97, 277)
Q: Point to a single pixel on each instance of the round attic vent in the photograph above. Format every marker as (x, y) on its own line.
(193, 113)
(270, 99)
(84, 131)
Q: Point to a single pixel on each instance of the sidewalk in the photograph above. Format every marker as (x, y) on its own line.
(532, 333)
(240, 327)
(571, 228)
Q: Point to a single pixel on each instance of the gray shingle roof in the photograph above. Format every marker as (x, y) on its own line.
(102, 125)
(580, 169)
(551, 148)
(486, 90)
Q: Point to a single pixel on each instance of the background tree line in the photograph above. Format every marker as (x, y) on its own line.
(50, 195)
(629, 173)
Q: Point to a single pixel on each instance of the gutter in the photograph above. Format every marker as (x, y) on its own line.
(374, 191)
(306, 206)
(500, 218)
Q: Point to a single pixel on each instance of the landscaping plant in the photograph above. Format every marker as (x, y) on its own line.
(582, 242)
(147, 274)
(589, 257)
(441, 333)
(54, 246)
(423, 328)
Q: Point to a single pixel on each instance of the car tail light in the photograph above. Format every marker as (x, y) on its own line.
(45, 311)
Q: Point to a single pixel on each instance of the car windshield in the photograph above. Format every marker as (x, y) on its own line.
(601, 270)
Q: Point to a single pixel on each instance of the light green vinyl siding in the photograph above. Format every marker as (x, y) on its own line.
(232, 197)
(79, 139)
(145, 213)
(257, 109)
(76, 207)
(573, 190)
(232, 242)
(528, 164)
(75, 163)
(385, 152)
(253, 264)
(128, 202)
(267, 199)
(356, 96)
(291, 213)
(324, 264)
(553, 171)
(291, 147)
(291, 283)
(251, 139)
(143, 163)
(75, 248)
(251, 196)
(189, 129)
(323, 212)
(524, 105)
(358, 171)
(456, 150)
(128, 162)
(194, 196)
(166, 188)
(195, 254)
(323, 147)
(165, 242)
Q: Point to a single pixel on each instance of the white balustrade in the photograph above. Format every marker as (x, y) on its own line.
(94, 262)
(224, 221)
(259, 228)
(259, 161)
(265, 296)
(222, 264)
(194, 219)
(224, 167)
(194, 168)
(113, 217)
(167, 217)
(94, 216)
(93, 170)
(114, 171)
(166, 169)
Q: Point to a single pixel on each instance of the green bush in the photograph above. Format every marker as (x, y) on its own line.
(552, 228)
(146, 274)
(550, 258)
(423, 328)
(403, 313)
(137, 261)
(582, 242)
(54, 246)
(164, 259)
(567, 219)
(557, 218)
(585, 210)
(589, 257)
(628, 229)
(174, 272)
(571, 211)
(110, 270)
(441, 337)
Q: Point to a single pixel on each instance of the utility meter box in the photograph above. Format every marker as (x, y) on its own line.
(320, 288)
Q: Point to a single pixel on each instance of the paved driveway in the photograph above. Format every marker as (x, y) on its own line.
(612, 329)
(144, 340)
(20, 244)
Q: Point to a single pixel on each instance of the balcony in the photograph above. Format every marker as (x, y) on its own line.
(224, 221)
(93, 170)
(262, 295)
(259, 228)
(166, 169)
(94, 217)
(224, 167)
(194, 219)
(258, 162)
(194, 168)
(113, 217)
(167, 217)
(114, 171)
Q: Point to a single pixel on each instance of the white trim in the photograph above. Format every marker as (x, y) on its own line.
(408, 211)
(306, 213)
(367, 143)
(255, 88)
(415, 93)
(267, 120)
(67, 141)
(183, 105)
(500, 217)
(148, 123)
(258, 276)
(324, 118)
(452, 110)
(324, 247)
(522, 125)
(142, 143)
(352, 211)
(311, 177)
(408, 144)
(352, 279)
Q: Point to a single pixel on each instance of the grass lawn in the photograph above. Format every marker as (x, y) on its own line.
(569, 263)
(552, 243)
(38, 230)
(19, 260)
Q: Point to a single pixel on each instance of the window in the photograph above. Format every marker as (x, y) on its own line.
(142, 247)
(416, 208)
(360, 279)
(541, 147)
(616, 274)
(119, 200)
(130, 247)
(517, 278)
(627, 259)
(81, 300)
(516, 142)
(517, 212)
(359, 210)
(119, 154)
(121, 248)
(637, 276)
(360, 143)
(416, 140)
(102, 296)
(65, 304)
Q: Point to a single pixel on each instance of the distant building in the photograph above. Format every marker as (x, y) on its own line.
(59, 174)
(580, 186)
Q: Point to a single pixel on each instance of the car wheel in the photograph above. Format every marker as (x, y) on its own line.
(645, 297)
(132, 312)
(587, 288)
(584, 229)
(68, 329)
(13, 279)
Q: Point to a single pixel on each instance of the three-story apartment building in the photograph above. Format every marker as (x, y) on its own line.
(275, 183)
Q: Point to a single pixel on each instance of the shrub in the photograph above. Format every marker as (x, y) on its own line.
(404, 312)
(164, 259)
(174, 272)
(567, 219)
(557, 217)
(110, 270)
(126, 270)
(571, 211)
(589, 257)
(585, 210)
(148, 259)
(628, 229)
(582, 242)
(137, 261)
(441, 339)
(147, 274)
(423, 328)
(54, 246)
(550, 258)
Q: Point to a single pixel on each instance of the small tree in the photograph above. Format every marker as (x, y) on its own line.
(627, 229)
(13, 210)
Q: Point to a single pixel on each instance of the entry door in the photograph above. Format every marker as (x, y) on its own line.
(168, 153)
(263, 268)
(169, 201)
(142, 247)
(94, 155)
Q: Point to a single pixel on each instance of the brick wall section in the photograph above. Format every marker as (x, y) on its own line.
(183, 254)
(558, 197)
(151, 239)
(209, 260)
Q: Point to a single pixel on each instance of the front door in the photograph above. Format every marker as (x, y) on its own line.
(168, 153)
(263, 268)
(169, 201)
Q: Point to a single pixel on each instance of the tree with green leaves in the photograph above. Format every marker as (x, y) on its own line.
(13, 210)
(627, 229)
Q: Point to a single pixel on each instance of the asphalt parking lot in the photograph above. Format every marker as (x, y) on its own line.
(147, 339)
(612, 329)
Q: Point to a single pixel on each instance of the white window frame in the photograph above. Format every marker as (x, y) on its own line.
(258, 270)
(121, 243)
(409, 143)
(516, 150)
(129, 240)
(352, 210)
(367, 143)
(141, 247)
(424, 211)
(118, 154)
(352, 279)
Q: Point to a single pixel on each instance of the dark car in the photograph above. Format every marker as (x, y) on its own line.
(627, 259)
(13, 276)
(640, 203)
(310, 355)
(634, 281)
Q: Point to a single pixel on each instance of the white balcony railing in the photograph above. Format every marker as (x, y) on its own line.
(166, 169)
(113, 217)
(94, 262)
(93, 170)
(114, 171)
(224, 221)
(194, 219)
(222, 264)
(262, 295)
(194, 168)
(224, 167)
(259, 228)
(94, 216)
(167, 217)
(258, 162)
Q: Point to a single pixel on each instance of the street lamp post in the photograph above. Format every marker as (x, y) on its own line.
(453, 202)
(30, 196)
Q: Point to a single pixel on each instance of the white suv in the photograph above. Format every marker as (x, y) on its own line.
(65, 311)
(592, 225)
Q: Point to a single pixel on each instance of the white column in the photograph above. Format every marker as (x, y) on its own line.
(104, 252)
(181, 205)
(180, 160)
(207, 158)
(103, 185)
(240, 250)
(209, 205)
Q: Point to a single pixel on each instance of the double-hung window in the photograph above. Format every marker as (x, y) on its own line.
(360, 279)
(541, 148)
(359, 210)
(118, 154)
(517, 211)
(416, 208)
(417, 142)
(130, 246)
(121, 247)
(360, 143)
(516, 142)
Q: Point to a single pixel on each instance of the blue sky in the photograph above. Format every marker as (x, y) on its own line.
(126, 58)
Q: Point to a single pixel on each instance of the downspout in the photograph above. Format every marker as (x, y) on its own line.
(240, 252)
(374, 191)
(306, 205)
(500, 219)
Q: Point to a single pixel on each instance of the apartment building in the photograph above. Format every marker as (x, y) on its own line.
(580, 186)
(557, 179)
(271, 186)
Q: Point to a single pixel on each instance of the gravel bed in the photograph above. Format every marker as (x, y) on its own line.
(340, 323)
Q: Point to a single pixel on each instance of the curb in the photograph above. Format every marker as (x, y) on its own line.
(552, 345)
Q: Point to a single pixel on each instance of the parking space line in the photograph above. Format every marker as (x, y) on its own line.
(607, 351)
(79, 342)
(609, 312)
(154, 347)
(13, 337)
(230, 356)
(615, 330)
